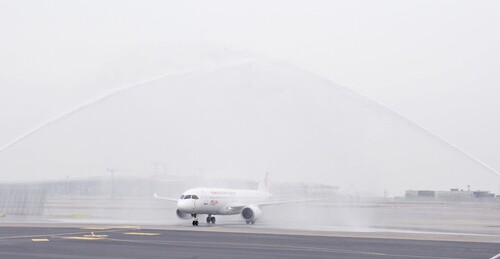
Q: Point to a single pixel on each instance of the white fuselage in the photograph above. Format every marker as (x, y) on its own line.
(215, 201)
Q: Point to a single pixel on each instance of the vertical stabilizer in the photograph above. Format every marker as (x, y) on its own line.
(264, 184)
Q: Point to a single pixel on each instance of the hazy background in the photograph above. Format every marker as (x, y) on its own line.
(247, 109)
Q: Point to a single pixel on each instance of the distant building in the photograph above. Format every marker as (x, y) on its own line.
(483, 194)
(22, 199)
(420, 194)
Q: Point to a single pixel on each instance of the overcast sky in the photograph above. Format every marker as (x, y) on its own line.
(434, 61)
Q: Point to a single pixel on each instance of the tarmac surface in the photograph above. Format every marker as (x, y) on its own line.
(32, 241)
(148, 228)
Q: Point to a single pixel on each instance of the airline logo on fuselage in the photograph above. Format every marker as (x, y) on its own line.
(218, 192)
(214, 202)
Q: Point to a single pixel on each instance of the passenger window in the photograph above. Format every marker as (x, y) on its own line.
(182, 197)
(187, 197)
(194, 197)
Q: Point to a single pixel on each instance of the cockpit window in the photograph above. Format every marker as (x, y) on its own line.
(194, 197)
(187, 197)
(182, 197)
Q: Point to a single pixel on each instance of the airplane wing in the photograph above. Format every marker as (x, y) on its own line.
(240, 206)
(164, 198)
(285, 202)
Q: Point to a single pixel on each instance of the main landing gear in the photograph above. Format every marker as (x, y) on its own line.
(210, 219)
(250, 222)
(195, 220)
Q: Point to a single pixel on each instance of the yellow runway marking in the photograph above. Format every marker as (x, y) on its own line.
(39, 240)
(142, 234)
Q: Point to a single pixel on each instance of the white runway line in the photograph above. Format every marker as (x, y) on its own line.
(496, 256)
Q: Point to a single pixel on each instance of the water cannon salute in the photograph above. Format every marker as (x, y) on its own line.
(143, 129)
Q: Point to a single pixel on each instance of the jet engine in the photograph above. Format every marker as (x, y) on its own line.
(251, 213)
(182, 215)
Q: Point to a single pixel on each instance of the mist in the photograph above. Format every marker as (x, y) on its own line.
(372, 98)
(242, 119)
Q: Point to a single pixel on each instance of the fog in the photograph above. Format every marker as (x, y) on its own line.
(241, 117)
(375, 98)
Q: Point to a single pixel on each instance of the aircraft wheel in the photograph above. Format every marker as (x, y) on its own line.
(252, 222)
(208, 220)
(248, 222)
(212, 220)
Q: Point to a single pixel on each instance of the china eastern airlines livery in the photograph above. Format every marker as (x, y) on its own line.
(214, 201)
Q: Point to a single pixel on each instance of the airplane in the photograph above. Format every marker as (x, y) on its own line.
(215, 201)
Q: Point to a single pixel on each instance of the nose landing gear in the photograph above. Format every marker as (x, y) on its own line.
(195, 220)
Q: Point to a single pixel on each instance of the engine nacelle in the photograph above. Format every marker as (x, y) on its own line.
(182, 215)
(251, 213)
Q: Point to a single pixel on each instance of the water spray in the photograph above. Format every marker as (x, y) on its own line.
(329, 82)
(405, 118)
(110, 94)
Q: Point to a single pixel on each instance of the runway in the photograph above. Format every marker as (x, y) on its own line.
(189, 242)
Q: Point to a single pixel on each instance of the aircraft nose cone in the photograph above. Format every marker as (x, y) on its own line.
(184, 205)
